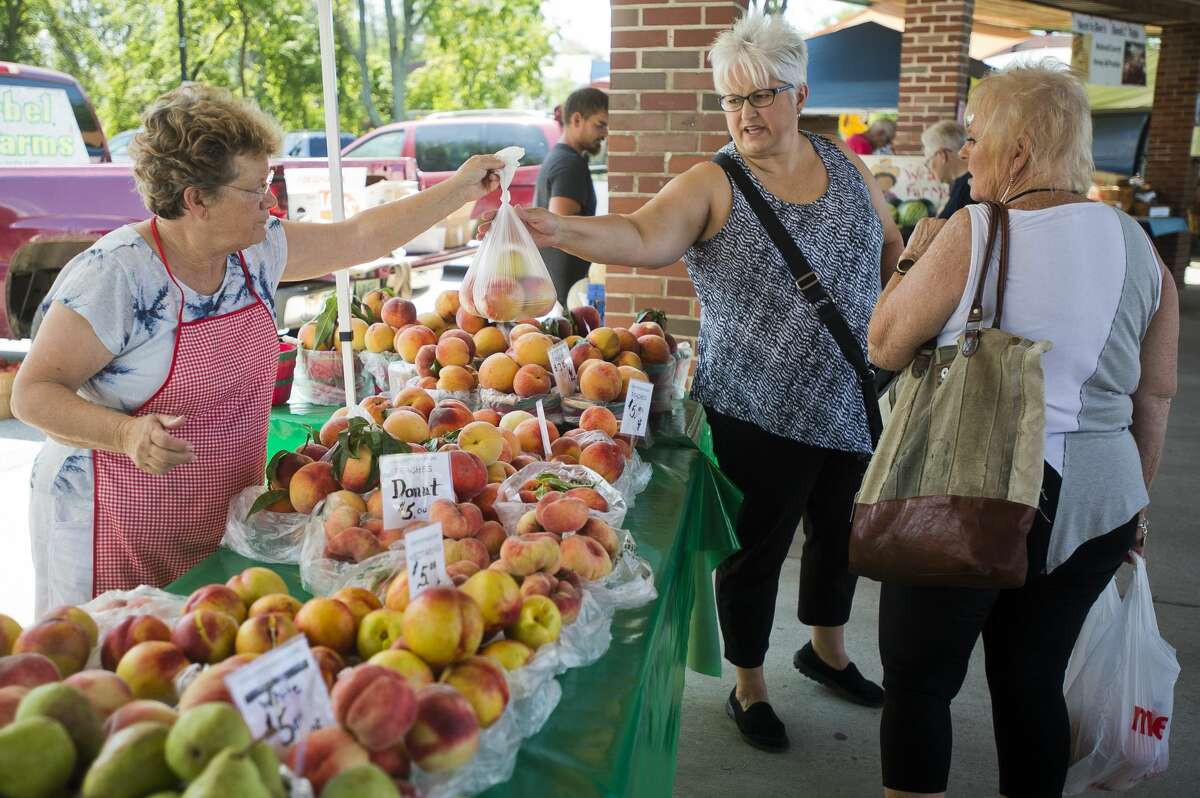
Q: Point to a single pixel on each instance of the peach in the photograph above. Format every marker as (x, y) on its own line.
(522, 460)
(407, 425)
(64, 642)
(600, 419)
(255, 582)
(511, 654)
(330, 431)
(308, 337)
(445, 735)
(414, 399)
(127, 634)
(453, 352)
(513, 419)
(641, 329)
(345, 498)
(483, 440)
(498, 597)
(448, 418)
(427, 383)
(525, 554)
(106, 691)
(532, 349)
(354, 544)
(606, 459)
(468, 474)
(497, 372)
(359, 601)
(274, 602)
(446, 305)
(76, 616)
(455, 522)
(397, 312)
(601, 383)
(520, 330)
(358, 472)
(327, 622)
(528, 523)
(654, 350)
(590, 497)
(491, 534)
(395, 763)
(628, 359)
(488, 416)
(568, 447)
(561, 515)
(325, 753)
(605, 339)
(264, 632)
(331, 664)
(205, 635)
(150, 669)
(530, 437)
(376, 406)
(540, 622)
(405, 663)
(500, 471)
(582, 352)
(483, 683)
(538, 584)
(433, 321)
(209, 686)
(312, 483)
(10, 630)
(486, 502)
(469, 322)
(408, 341)
(358, 334)
(585, 365)
(605, 535)
(531, 380)
(514, 445)
(380, 628)
(489, 341)
(10, 699)
(586, 557)
(375, 704)
(442, 625)
(27, 670)
(470, 549)
(569, 601)
(374, 301)
(340, 519)
(461, 571)
(144, 710)
(313, 450)
(627, 340)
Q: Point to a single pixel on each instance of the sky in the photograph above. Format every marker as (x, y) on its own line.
(587, 21)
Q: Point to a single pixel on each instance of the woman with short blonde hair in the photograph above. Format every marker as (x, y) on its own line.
(1084, 277)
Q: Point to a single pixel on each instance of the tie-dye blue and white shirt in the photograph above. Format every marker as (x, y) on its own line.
(121, 287)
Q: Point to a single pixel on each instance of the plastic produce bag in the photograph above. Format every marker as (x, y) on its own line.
(323, 576)
(264, 536)
(507, 279)
(1121, 696)
(510, 508)
(319, 379)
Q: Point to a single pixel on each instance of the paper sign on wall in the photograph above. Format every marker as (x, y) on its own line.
(411, 483)
(637, 408)
(425, 559)
(281, 694)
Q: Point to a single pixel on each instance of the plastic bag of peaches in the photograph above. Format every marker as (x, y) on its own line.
(507, 279)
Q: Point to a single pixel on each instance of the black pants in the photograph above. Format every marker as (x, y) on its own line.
(782, 481)
(925, 639)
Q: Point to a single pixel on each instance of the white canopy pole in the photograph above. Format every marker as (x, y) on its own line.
(333, 146)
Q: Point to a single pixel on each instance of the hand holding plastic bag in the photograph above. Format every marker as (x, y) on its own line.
(1120, 696)
(508, 278)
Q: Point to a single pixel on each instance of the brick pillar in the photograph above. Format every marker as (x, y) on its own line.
(1169, 166)
(933, 67)
(663, 118)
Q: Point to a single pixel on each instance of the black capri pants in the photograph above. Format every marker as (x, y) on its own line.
(782, 481)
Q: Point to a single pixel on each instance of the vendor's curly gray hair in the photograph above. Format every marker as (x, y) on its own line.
(762, 47)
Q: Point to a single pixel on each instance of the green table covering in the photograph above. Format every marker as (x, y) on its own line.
(615, 731)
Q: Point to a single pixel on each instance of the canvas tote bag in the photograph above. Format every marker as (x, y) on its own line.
(952, 489)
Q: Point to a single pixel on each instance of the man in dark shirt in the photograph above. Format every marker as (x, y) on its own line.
(942, 141)
(564, 184)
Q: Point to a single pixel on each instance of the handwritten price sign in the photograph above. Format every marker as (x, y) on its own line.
(411, 483)
(281, 694)
(563, 368)
(637, 408)
(425, 559)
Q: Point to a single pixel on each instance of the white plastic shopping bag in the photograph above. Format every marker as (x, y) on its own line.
(1120, 695)
(507, 279)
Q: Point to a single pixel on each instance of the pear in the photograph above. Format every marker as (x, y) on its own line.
(37, 758)
(231, 772)
(74, 711)
(131, 764)
(267, 762)
(200, 734)
(361, 781)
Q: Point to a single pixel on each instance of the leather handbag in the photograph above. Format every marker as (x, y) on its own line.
(953, 487)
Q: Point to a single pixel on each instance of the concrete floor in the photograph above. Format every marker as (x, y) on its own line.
(835, 746)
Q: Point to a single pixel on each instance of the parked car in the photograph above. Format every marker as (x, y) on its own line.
(440, 142)
(309, 143)
(60, 97)
(118, 145)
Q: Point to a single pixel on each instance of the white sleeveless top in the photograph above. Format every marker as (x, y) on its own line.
(1084, 277)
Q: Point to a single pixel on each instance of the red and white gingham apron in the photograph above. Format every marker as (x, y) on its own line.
(151, 529)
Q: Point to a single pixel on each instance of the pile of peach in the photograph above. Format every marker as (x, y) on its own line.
(608, 359)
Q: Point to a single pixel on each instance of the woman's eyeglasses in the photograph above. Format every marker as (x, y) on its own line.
(261, 192)
(757, 99)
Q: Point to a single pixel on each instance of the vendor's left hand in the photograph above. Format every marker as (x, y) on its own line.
(922, 236)
(479, 175)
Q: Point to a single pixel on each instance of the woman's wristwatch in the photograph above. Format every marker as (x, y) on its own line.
(1143, 529)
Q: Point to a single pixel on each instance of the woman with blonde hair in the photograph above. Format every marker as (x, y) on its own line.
(1084, 277)
(155, 351)
(785, 406)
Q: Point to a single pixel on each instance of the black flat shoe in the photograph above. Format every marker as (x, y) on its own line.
(758, 724)
(848, 682)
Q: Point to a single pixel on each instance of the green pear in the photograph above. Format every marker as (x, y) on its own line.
(131, 764)
(361, 781)
(231, 772)
(267, 762)
(72, 709)
(37, 758)
(200, 734)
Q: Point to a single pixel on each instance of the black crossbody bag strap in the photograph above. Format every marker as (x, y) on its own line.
(812, 290)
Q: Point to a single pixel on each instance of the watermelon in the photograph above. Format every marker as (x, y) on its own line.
(912, 211)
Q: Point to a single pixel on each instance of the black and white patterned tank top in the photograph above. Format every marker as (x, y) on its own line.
(764, 355)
